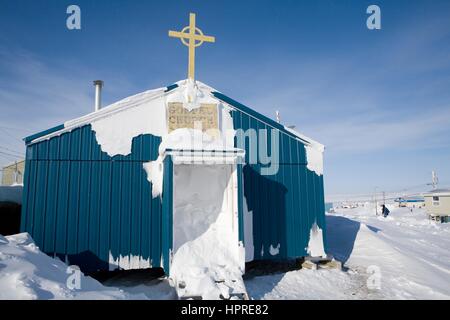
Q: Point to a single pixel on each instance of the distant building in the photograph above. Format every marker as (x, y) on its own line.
(13, 173)
(411, 202)
(437, 203)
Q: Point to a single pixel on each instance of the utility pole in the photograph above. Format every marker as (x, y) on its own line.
(434, 179)
(16, 173)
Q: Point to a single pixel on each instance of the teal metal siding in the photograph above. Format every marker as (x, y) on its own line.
(167, 213)
(284, 205)
(81, 203)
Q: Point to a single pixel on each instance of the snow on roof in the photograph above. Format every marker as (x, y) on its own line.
(147, 96)
(318, 145)
(28, 273)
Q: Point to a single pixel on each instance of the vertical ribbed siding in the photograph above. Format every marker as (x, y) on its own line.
(167, 214)
(284, 205)
(82, 203)
(240, 202)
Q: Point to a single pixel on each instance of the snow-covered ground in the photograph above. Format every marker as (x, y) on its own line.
(27, 273)
(403, 256)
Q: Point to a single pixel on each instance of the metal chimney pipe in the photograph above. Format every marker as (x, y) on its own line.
(98, 94)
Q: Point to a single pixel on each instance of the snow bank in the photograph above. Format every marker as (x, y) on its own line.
(306, 284)
(207, 256)
(11, 193)
(27, 273)
(410, 252)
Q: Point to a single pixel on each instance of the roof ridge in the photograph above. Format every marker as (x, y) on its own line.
(149, 95)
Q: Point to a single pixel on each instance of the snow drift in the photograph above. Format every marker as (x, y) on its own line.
(208, 260)
(27, 273)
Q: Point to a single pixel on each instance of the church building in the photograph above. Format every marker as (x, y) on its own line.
(175, 176)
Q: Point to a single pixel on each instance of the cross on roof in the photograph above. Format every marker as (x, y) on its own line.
(192, 34)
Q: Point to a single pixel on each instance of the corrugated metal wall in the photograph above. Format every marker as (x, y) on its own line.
(284, 205)
(80, 202)
(167, 214)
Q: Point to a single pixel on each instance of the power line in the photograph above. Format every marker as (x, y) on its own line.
(9, 143)
(10, 135)
(17, 129)
(10, 150)
(9, 154)
(369, 194)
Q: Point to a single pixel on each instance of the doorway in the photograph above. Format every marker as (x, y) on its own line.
(206, 252)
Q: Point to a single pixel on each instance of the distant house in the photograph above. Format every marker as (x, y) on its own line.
(13, 173)
(437, 203)
(411, 202)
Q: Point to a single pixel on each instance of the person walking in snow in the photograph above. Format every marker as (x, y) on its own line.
(384, 211)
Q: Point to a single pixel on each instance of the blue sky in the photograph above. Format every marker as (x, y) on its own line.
(378, 99)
